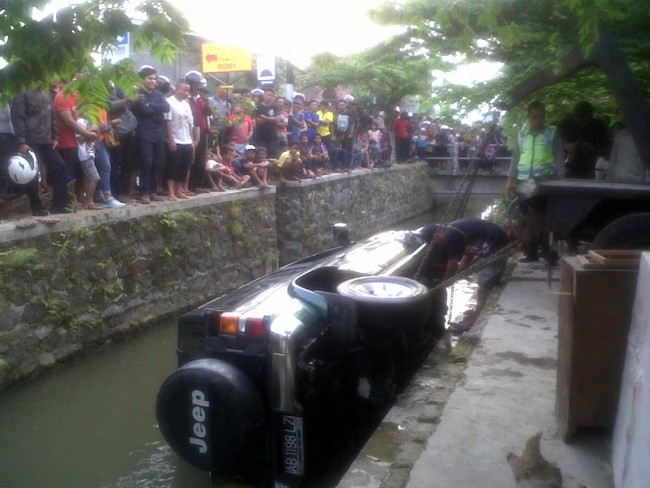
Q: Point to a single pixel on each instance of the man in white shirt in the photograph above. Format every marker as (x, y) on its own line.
(182, 137)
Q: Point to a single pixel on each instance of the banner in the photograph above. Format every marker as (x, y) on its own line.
(223, 59)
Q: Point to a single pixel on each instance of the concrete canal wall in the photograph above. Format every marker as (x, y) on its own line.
(632, 428)
(447, 183)
(69, 284)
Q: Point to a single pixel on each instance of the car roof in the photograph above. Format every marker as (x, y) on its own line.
(268, 294)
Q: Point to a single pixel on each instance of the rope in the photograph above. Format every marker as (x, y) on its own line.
(455, 210)
(502, 253)
(450, 304)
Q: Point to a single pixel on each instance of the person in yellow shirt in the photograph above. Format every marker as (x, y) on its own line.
(289, 165)
(326, 117)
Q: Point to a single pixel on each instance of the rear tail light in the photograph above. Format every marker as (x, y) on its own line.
(233, 324)
(254, 327)
(229, 324)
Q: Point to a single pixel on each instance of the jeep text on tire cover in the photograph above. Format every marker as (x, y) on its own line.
(199, 430)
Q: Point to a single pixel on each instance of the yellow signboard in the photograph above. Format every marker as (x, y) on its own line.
(222, 59)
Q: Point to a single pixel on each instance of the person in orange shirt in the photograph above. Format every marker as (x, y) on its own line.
(65, 105)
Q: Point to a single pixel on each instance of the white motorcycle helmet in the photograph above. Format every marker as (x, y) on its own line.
(22, 167)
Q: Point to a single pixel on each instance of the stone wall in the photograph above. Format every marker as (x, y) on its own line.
(65, 292)
(71, 284)
(368, 203)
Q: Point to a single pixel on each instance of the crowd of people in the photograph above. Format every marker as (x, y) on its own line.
(418, 138)
(299, 138)
(171, 141)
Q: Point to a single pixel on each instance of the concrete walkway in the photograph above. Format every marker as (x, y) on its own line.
(504, 394)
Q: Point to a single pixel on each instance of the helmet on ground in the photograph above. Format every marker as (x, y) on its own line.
(22, 167)
(195, 77)
(164, 84)
(146, 70)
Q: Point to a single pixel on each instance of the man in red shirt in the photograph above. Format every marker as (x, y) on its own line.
(402, 128)
(65, 105)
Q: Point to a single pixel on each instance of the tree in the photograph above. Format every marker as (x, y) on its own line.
(526, 37)
(383, 74)
(38, 51)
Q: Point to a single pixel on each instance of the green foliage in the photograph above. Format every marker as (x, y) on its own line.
(83, 231)
(377, 74)
(173, 219)
(500, 208)
(95, 85)
(526, 37)
(15, 262)
(72, 323)
(58, 311)
(271, 257)
(164, 31)
(236, 229)
(15, 259)
(102, 291)
(41, 51)
(234, 211)
(63, 246)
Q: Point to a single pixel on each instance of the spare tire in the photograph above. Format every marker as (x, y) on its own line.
(209, 412)
(388, 302)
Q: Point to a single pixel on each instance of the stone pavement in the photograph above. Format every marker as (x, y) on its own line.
(474, 402)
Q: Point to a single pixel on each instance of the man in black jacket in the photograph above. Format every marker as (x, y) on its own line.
(150, 111)
(454, 247)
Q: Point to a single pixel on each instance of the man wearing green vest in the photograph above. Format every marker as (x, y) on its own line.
(537, 155)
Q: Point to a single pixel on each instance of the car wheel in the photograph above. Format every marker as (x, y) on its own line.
(209, 413)
(629, 232)
(388, 301)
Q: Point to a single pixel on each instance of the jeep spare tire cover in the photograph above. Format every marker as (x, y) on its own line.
(207, 411)
(388, 301)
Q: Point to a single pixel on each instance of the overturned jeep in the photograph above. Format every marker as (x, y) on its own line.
(278, 374)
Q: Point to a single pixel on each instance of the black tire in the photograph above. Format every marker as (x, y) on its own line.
(629, 232)
(210, 414)
(388, 301)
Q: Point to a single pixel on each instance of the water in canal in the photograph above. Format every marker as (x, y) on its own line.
(91, 423)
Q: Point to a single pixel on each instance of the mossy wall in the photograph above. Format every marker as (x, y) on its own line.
(368, 204)
(67, 292)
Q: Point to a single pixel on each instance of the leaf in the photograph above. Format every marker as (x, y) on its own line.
(55, 47)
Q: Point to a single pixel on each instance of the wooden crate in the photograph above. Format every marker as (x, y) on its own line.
(594, 317)
(610, 259)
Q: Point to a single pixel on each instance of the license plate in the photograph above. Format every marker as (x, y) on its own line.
(293, 454)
